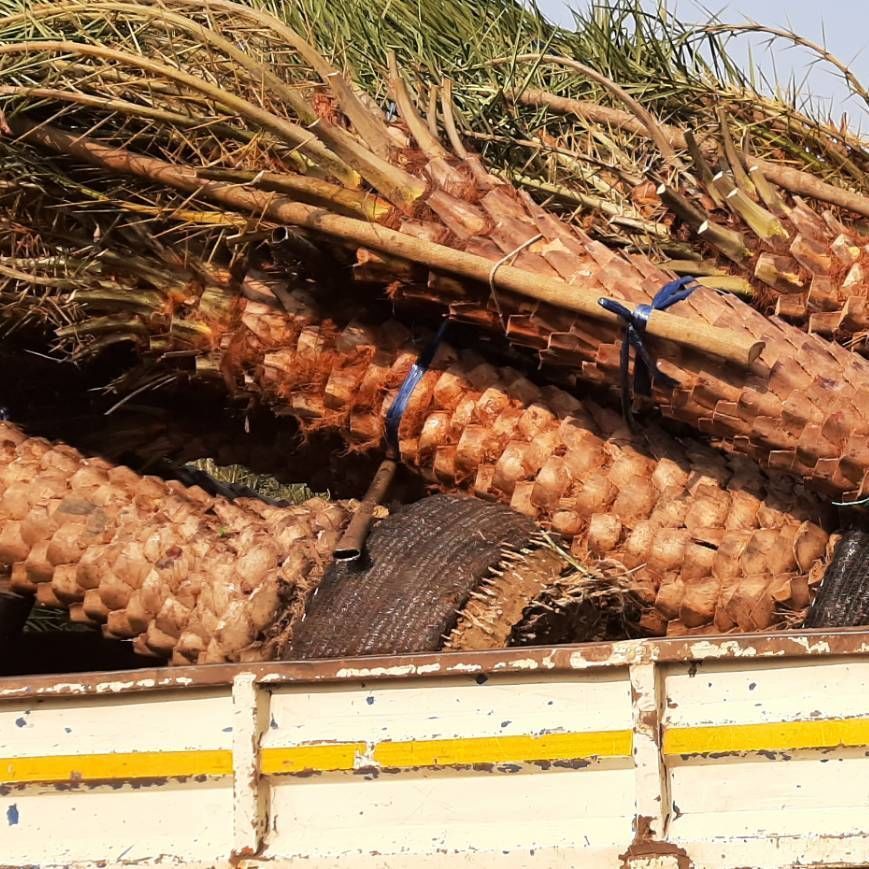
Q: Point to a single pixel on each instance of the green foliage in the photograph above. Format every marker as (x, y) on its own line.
(102, 257)
(679, 72)
(47, 620)
(263, 485)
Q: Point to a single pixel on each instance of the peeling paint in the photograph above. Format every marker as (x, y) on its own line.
(428, 668)
(644, 787)
(526, 664)
(368, 672)
(117, 687)
(564, 658)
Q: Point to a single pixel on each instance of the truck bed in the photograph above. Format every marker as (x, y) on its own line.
(713, 752)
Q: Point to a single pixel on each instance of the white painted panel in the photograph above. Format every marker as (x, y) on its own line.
(163, 721)
(43, 825)
(432, 709)
(446, 811)
(751, 692)
(785, 852)
(564, 857)
(818, 796)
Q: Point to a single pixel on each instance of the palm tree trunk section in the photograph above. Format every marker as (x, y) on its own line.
(802, 405)
(799, 259)
(815, 386)
(716, 540)
(713, 540)
(189, 577)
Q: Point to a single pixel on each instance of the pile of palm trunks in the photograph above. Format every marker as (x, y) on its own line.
(638, 324)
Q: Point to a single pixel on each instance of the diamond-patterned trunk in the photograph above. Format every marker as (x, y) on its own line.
(714, 540)
(190, 577)
(803, 406)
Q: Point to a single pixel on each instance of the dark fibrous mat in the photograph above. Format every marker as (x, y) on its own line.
(843, 599)
(422, 563)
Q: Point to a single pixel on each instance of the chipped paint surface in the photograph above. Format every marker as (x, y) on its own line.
(526, 664)
(250, 793)
(369, 672)
(702, 649)
(651, 805)
(459, 752)
(554, 659)
(433, 760)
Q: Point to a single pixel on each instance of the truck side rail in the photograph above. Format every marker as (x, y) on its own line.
(748, 751)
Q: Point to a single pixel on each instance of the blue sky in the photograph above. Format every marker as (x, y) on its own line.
(840, 24)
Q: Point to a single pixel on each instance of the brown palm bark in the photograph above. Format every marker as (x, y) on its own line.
(189, 577)
(761, 220)
(433, 224)
(713, 539)
(816, 387)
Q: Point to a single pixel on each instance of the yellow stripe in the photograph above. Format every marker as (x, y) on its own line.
(503, 749)
(322, 757)
(120, 765)
(326, 757)
(777, 736)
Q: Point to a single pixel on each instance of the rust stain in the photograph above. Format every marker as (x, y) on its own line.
(578, 763)
(306, 773)
(236, 858)
(597, 653)
(645, 845)
(648, 721)
(561, 659)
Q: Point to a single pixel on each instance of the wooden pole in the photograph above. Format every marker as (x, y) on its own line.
(727, 344)
(352, 542)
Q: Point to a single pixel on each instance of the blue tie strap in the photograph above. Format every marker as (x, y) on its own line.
(636, 321)
(399, 405)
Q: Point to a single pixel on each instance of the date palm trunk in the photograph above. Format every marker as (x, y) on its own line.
(188, 577)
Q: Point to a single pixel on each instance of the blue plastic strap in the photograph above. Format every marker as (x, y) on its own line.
(398, 407)
(636, 321)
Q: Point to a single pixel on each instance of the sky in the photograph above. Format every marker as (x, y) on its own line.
(840, 24)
